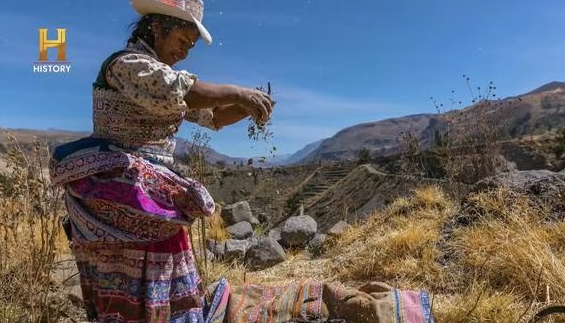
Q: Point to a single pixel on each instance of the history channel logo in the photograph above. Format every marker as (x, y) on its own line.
(44, 65)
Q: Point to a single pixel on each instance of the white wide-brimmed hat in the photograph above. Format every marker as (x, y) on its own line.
(189, 10)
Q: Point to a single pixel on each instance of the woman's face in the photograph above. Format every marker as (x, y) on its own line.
(174, 47)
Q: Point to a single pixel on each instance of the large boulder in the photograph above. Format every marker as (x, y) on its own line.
(228, 250)
(241, 230)
(543, 188)
(535, 182)
(235, 249)
(298, 230)
(264, 252)
(275, 233)
(238, 212)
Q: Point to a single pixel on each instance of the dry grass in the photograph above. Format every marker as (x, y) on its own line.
(30, 236)
(478, 304)
(511, 248)
(216, 228)
(494, 270)
(395, 245)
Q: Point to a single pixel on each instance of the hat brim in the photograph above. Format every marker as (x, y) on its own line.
(144, 7)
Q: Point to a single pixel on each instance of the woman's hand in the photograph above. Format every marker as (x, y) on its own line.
(255, 103)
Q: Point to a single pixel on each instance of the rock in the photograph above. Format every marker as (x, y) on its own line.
(209, 254)
(529, 182)
(65, 273)
(315, 245)
(238, 212)
(298, 230)
(264, 253)
(228, 250)
(543, 188)
(235, 249)
(338, 228)
(216, 247)
(241, 230)
(275, 233)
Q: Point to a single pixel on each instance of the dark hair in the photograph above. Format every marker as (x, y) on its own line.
(142, 28)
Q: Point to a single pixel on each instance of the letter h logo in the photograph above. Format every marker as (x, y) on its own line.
(45, 43)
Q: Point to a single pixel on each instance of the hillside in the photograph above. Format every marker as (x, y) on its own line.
(302, 153)
(539, 111)
(51, 137)
(54, 137)
(381, 137)
(183, 147)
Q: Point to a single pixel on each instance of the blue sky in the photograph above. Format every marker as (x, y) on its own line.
(332, 63)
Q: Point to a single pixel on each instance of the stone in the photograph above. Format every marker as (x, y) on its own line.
(238, 212)
(543, 188)
(263, 253)
(298, 230)
(235, 249)
(275, 233)
(338, 228)
(241, 230)
(315, 245)
(209, 254)
(216, 247)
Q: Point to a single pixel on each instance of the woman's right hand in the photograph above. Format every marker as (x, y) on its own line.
(256, 104)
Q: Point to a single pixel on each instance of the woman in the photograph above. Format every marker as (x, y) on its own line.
(127, 209)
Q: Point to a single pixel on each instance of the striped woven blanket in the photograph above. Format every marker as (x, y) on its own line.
(311, 299)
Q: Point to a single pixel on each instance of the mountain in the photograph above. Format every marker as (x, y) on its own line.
(549, 87)
(302, 153)
(270, 161)
(50, 137)
(184, 147)
(538, 111)
(380, 137)
(55, 137)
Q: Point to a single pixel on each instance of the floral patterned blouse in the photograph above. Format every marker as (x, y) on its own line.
(144, 106)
